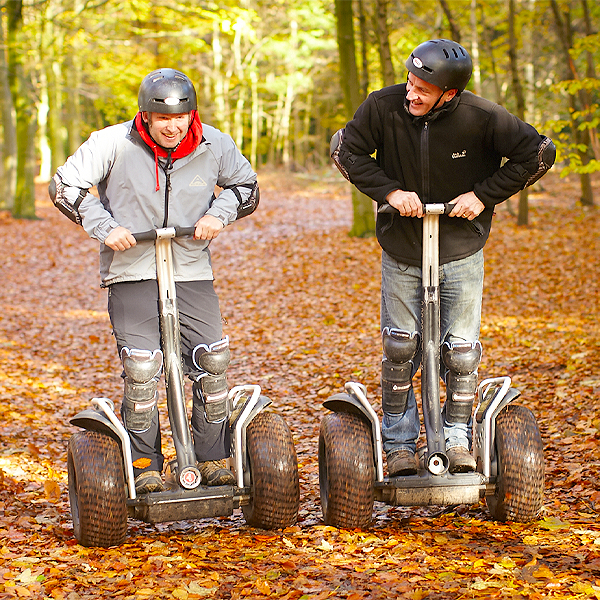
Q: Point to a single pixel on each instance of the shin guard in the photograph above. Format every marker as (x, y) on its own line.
(210, 387)
(399, 347)
(461, 359)
(142, 370)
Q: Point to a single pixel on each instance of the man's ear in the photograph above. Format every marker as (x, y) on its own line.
(144, 116)
(450, 94)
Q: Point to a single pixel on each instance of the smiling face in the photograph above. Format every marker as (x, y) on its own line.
(422, 96)
(167, 130)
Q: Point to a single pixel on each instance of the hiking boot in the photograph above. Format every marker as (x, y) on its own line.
(401, 462)
(215, 472)
(148, 481)
(460, 459)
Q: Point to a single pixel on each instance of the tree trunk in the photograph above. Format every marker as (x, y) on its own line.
(364, 51)
(454, 30)
(383, 37)
(563, 27)
(362, 206)
(475, 49)
(8, 185)
(523, 215)
(25, 103)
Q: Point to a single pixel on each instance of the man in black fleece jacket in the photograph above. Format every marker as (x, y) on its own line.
(427, 141)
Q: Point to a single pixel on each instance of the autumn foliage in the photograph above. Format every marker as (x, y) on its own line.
(301, 304)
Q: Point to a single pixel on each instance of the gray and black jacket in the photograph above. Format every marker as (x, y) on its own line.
(123, 168)
(455, 150)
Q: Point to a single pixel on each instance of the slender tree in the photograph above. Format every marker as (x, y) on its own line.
(9, 130)
(362, 206)
(25, 104)
(523, 213)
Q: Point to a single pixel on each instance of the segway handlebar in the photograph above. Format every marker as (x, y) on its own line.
(166, 232)
(435, 209)
(428, 209)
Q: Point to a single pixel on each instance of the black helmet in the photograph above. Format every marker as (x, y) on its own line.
(167, 91)
(443, 63)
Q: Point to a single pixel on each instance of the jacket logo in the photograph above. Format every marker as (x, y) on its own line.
(198, 182)
(462, 154)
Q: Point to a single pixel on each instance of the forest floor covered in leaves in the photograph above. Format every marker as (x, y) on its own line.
(301, 304)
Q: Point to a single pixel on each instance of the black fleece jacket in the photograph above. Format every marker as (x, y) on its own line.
(457, 149)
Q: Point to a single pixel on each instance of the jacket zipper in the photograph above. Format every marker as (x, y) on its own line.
(166, 169)
(474, 225)
(425, 161)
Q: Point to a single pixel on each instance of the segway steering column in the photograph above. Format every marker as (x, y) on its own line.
(437, 460)
(188, 474)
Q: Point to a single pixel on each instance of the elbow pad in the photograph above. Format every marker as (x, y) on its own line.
(67, 206)
(546, 156)
(246, 206)
(334, 150)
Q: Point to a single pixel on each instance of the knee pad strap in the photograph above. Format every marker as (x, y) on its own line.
(396, 382)
(212, 393)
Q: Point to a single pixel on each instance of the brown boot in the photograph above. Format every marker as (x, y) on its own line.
(215, 472)
(401, 462)
(148, 481)
(461, 460)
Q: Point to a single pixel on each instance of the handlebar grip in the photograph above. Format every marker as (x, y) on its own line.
(143, 236)
(388, 208)
(153, 233)
(183, 231)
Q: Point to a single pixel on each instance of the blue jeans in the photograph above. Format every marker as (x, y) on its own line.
(461, 290)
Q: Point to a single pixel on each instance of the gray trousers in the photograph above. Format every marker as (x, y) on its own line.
(133, 311)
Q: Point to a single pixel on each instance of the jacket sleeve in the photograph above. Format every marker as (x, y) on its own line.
(516, 141)
(363, 138)
(87, 167)
(234, 172)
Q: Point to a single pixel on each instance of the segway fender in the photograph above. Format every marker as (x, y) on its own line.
(345, 403)
(355, 402)
(494, 394)
(103, 419)
(92, 420)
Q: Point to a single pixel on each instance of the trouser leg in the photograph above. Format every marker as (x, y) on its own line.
(461, 360)
(461, 290)
(400, 310)
(201, 329)
(133, 310)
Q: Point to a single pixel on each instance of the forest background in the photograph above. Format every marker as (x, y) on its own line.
(299, 295)
(281, 77)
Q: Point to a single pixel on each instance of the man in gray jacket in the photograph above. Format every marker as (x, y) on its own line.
(161, 170)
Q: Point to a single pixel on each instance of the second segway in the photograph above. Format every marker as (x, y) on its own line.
(507, 445)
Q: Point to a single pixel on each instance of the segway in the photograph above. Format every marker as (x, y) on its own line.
(100, 472)
(507, 445)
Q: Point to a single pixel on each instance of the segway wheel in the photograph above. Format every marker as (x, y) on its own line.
(520, 466)
(273, 470)
(346, 470)
(97, 489)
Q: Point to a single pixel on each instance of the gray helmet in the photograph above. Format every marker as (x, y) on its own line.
(443, 63)
(167, 91)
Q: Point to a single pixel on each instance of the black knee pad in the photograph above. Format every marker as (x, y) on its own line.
(399, 347)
